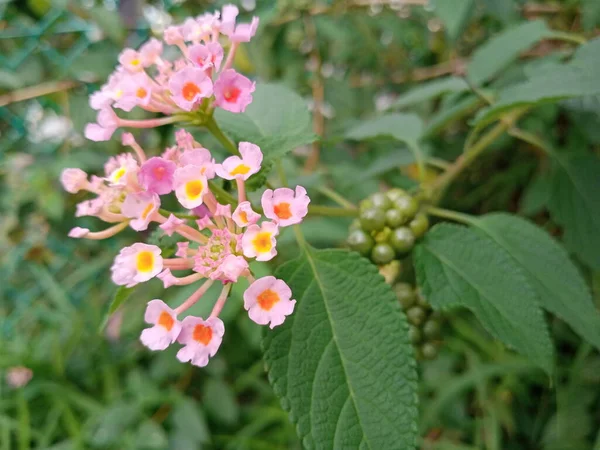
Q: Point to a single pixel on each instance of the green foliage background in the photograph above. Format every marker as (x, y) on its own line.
(387, 86)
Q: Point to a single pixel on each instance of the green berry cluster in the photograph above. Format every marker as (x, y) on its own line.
(424, 323)
(389, 224)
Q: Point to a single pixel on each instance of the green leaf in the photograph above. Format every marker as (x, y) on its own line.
(578, 78)
(121, 295)
(456, 267)
(575, 204)
(342, 363)
(560, 287)
(277, 121)
(407, 128)
(431, 90)
(498, 52)
(454, 15)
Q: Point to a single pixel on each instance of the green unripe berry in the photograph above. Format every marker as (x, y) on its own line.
(355, 225)
(395, 193)
(361, 242)
(431, 329)
(402, 240)
(414, 334)
(381, 201)
(394, 218)
(372, 219)
(407, 205)
(422, 301)
(416, 315)
(383, 236)
(365, 204)
(419, 225)
(406, 295)
(382, 254)
(429, 350)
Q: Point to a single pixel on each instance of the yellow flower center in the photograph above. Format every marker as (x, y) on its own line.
(193, 189)
(147, 210)
(262, 242)
(135, 62)
(242, 169)
(145, 261)
(118, 174)
(165, 320)
(141, 92)
(244, 216)
(202, 334)
(267, 299)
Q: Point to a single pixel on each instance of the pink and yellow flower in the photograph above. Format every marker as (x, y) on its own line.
(136, 264)
(190, 186)
(242, 168)
(259, 241)
(268, 301)
(142, 207)
(244, 215)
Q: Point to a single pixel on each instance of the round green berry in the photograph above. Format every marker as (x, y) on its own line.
(405, 294)
(355, 225)
(416, 315)
(431, 329)
(365, 204)
(382, 254)
(360, 241)
(394, 218)
(407, 205)
(414, 334)
(381, 201)
(372, 219)
(419, 225)
(422, 301)
(429, 350)
(395, 193)
(402, 240)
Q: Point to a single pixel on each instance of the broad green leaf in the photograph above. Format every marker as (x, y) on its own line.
(575, 204)
(431, 90)
(498, 52)
(578, 78)
(451, 114)
(457, 267)
(342, 363)
(454, 15)
(560, 287)
(407, 128)
(277, 121)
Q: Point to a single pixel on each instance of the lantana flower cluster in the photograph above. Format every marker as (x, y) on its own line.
(216, 250)
(185, 75)
(218, 239)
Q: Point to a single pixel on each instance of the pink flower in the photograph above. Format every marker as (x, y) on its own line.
(141, 207)
(244, 215)
(156, 175)
(190, 186)
(285, 208)
(228, 15)
(78, 232)
(167, 278)
(184, 139)
(223, 210)
(242, 168)
(89, 208)
(150, 52)
(171, 224)
(137, 90)
(182, 249)
(172, 35)
(201, 339)
(19, 376)
(233, 91)
(131, 60)
(259, 241)
(201, 158)
(206, 56)
(244, 31)
(136, 264)
(166, 327)
(268, 300)
(95, 132)
(189, 86)
(73, 180)
(231, 269)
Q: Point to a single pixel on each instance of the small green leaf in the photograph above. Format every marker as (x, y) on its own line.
(454, 15)
(277, 121)
(456, 267)
(575, 204)
(407, 128)
(342, 362)
(121, 295)
(560, 287)
(428, 91)
(498, 52)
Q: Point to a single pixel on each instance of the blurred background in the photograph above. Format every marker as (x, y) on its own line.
(70, 380)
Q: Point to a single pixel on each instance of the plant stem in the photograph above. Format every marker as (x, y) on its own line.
(281, 173)
(336, 197)
(448, 214)
(222, 194)
(164, 212)
(318, 210)
(211, 125)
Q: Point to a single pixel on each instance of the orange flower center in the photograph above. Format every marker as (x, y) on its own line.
(145, 261)
(165, 320)
(231, 94)
(141, 92)
(202, 334)
(194, 188)
(242, 169)
(244, 216)
(267, 299)
(147, 210)
(262, 242)
(190, 90)
(282, 210)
